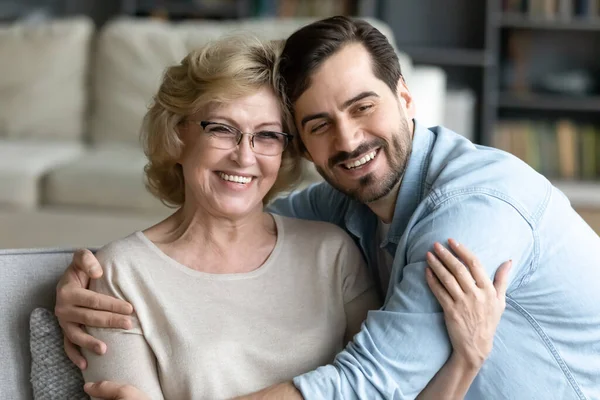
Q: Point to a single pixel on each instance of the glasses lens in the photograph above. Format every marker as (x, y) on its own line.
(269, 143)
(221, 136)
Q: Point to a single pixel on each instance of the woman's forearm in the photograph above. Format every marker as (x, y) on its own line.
(452, 381)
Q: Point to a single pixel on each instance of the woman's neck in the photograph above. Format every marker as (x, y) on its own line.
(205, 241)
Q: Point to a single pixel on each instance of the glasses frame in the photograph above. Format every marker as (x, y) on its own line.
(287, 136)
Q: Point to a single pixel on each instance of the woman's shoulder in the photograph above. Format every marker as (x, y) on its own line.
(121, 251)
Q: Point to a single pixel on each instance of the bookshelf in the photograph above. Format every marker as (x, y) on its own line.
(522, 21)
(583, 195)
(449, 56)
(550, 102)
(506, 52)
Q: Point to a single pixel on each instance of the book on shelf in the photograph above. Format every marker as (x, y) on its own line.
(554, 9)
(561, 149)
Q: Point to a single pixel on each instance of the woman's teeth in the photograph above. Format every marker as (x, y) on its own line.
(362, 161)
(235, 178)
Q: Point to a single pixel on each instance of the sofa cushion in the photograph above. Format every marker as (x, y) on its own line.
(24, 163)
(132, 55)
(28, 280)
(53, 375)
(106, 176)
(43, 78)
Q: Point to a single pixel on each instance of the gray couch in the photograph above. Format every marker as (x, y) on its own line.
(27, 280)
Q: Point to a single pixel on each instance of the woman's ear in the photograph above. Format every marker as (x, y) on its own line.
(182, 129)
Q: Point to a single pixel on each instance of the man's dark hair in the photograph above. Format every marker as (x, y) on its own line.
(306, 49)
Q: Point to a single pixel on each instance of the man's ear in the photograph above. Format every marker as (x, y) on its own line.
(405, 98)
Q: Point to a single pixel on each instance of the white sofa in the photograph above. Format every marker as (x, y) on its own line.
(71, 103)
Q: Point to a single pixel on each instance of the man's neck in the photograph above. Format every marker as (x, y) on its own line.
(384, 208)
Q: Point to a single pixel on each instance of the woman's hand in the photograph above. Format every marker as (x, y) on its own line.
(77, 306)
(472, 304)
(114, 391)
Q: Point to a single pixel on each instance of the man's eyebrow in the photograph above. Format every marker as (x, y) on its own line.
(345, 105)
(358, 97)
(311, 117)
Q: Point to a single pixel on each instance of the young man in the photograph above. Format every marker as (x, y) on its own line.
(397, 187)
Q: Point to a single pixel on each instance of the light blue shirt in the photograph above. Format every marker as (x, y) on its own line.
(547, 345)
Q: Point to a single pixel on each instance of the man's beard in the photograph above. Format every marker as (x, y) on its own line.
(370, 187)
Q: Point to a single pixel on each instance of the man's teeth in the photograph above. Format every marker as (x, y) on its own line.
(235, 178)
(362, 161)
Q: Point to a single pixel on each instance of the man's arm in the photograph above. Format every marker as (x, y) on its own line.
(402, 346)
(472, 312)
(318, 202)
(473, 306)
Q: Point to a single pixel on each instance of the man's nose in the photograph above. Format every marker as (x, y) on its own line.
(348, 135)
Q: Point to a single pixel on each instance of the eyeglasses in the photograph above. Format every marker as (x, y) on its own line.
(225, 137)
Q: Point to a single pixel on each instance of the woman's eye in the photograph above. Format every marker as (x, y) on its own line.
(267, 135)
(222, 129)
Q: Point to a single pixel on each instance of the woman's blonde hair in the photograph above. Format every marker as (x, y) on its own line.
(223, 70)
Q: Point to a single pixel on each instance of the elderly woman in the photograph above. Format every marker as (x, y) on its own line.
(229, 298)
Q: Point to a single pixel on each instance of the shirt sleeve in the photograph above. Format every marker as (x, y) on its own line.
(128, 358)
(358, 288)
(318, 202)
(403, 345)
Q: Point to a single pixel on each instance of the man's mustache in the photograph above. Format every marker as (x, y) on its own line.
(363, 148)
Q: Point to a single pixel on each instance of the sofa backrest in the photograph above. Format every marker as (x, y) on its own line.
(28, 280)
(43, 78)
(132, 55)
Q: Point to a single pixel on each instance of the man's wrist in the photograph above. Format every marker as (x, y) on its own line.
(283, 391)
(466, 365)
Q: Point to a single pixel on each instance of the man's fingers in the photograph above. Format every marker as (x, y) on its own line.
(472, 262)
(84, 260)
(440, 293)
(456, 267)
(445, 277)
(99, 319)
(78, 336)
(101, 302)
(74, 354)
(113, 391)
(501, 278)
(103, 390)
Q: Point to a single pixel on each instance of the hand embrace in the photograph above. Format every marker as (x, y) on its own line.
(77, 306)
(114, 391)
(472, 304)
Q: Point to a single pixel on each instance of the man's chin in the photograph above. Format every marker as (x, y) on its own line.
(364, 193)
(372, 188)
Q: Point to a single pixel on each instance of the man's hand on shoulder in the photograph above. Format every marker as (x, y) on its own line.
(76, 305)
(282, 391)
